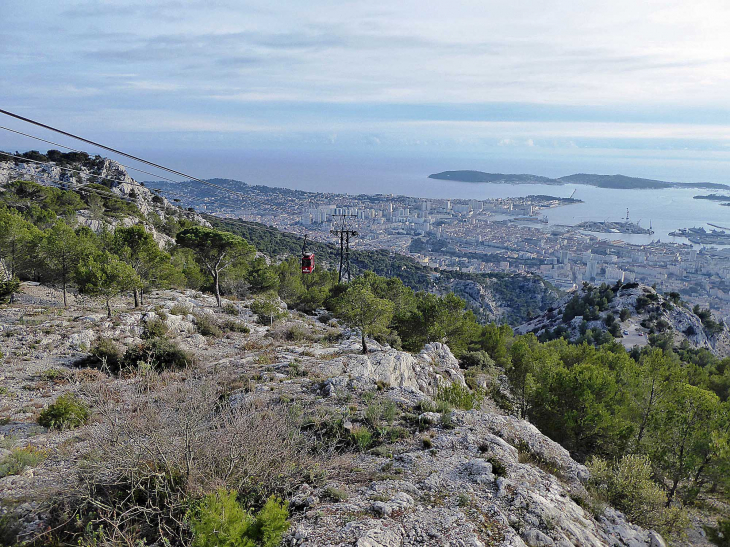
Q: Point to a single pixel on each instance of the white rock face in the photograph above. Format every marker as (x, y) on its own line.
(120, 182)
(421, 373)
(441, 489)
(81, 341)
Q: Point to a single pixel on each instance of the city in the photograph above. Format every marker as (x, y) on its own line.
(496, 235)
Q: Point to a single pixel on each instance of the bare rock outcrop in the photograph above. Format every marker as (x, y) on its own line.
(421, 374)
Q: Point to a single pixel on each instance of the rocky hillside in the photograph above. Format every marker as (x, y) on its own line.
(93, 177)
(397, 451)
(631, 313)
(509, 298)
(493, 297)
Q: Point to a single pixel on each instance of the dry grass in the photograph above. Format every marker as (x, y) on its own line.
(172, 437)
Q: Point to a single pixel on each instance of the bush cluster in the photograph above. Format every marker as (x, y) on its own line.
(158, 354)
(67, 412)
(219, 519)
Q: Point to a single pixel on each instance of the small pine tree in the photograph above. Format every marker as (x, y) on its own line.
(219, 520)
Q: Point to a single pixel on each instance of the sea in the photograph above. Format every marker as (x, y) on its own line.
(665, 210)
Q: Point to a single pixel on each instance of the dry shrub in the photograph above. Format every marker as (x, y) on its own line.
(153, 454)
(294, 332)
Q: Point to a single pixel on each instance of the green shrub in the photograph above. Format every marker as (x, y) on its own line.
(362, 436)
(335, 494)
(157, 353)
(219, 520)
(106, 353)
(207, 327)
(180, 309)
(498, 467)
(231, 325)
(267, 309)
(230, 308)
(459, 396)
(21, 458)
(155, 328)
(67, 412)
(447, 418)
(8, 288)
(52, 374)
(626, 484)
(295, 368)
(720, 535)
(479, 359)
(381, 411)
(10, 527)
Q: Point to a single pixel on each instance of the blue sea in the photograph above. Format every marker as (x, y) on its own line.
(666, 210)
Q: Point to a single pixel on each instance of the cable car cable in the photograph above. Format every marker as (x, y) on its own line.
(84, 152)
(110, 149)
(218, 187)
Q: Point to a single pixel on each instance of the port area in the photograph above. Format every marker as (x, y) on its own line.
(625, 227)
(702, 236)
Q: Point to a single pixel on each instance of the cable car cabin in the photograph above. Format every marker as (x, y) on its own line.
(307, 262)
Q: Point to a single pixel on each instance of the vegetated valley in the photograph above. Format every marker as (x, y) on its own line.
(169, 379)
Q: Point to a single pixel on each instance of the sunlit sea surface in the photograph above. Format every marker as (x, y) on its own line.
(667, 210)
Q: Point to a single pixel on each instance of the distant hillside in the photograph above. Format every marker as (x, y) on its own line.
(512, 298)
(498, 178)
(618, 182)
(635, 315)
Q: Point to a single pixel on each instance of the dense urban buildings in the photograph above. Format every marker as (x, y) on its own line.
(495, 235)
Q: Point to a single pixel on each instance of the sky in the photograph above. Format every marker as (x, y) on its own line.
(542, 86)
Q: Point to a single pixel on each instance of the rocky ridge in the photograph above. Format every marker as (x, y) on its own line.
(681, 323)
(119, 183)
(465, 478)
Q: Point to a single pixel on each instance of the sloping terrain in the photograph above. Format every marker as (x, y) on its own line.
(384, 466)
(493, 297)
(110, 195)
(630, 313)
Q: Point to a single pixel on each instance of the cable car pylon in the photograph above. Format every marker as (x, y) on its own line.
(344, 233)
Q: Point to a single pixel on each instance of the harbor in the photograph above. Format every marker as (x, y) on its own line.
(702, 236)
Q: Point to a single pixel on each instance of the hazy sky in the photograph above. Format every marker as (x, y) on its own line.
(641, 87)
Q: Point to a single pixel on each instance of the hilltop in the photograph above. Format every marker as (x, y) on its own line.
(166, 380)
(619, 182)
(373, 451)
(107, 195)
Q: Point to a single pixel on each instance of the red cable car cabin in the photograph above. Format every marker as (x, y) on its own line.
(307, 262)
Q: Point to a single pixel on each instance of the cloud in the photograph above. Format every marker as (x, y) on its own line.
(521, 75)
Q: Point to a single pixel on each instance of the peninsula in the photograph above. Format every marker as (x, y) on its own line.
(619, 182)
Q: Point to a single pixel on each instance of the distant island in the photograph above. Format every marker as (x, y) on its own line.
(619, 182)
(479, 176)
(714, 197)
